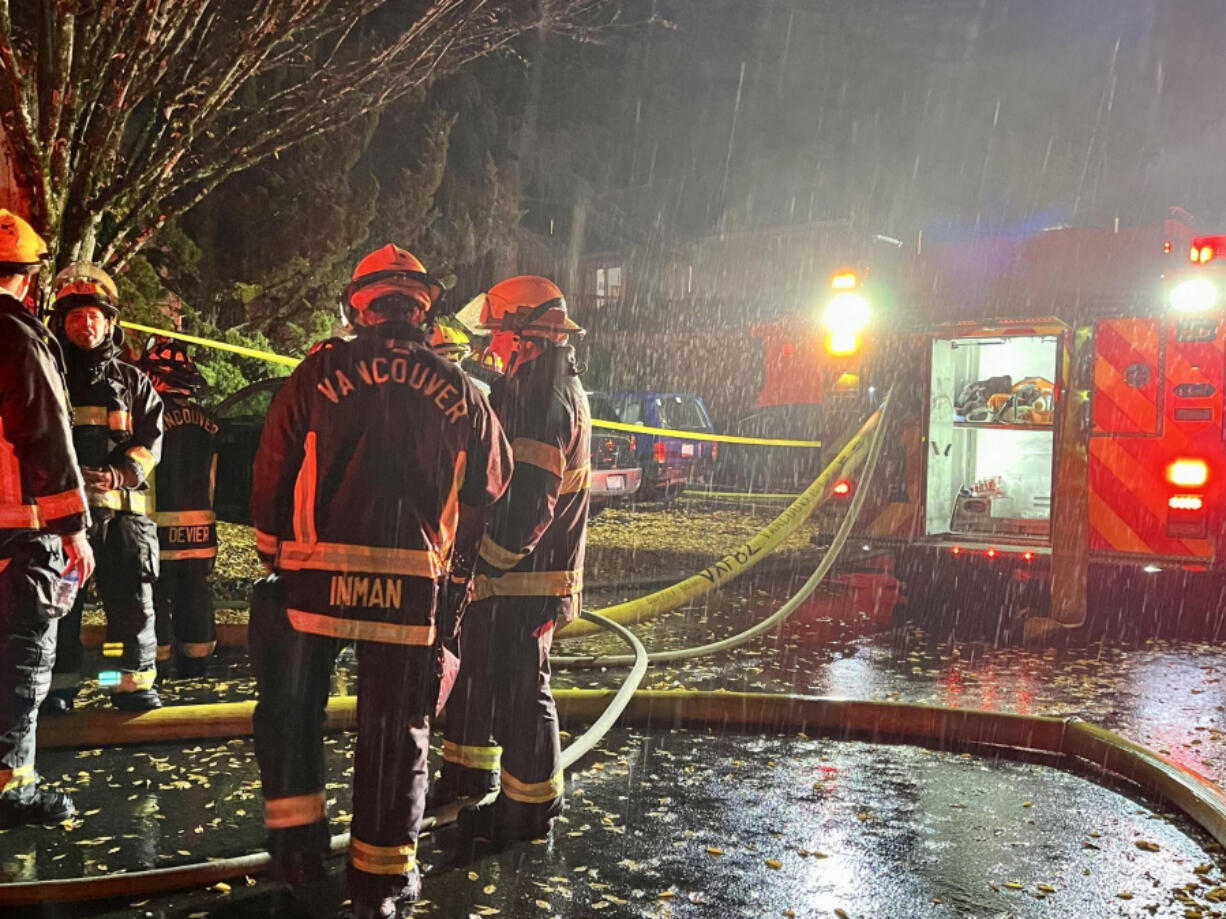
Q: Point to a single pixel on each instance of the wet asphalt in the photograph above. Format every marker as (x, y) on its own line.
(667, 824)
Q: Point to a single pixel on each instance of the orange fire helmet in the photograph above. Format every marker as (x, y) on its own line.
(19, 244)
(390, 270)
(527, 305)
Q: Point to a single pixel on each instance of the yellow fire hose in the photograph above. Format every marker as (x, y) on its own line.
(231, 720)
(874, 442)
(741, 559)
(929, 726)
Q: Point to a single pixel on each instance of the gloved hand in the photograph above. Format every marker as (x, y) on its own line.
(101, 479)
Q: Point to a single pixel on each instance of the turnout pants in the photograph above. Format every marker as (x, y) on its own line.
(396, 689)
(126, 550)
(501, 715)
(30, 567)
(183, 599)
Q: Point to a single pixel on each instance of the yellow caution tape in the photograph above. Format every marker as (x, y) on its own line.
(220, 345)
(697, 495)
(596, 423)
(741, 559)
(698, 435)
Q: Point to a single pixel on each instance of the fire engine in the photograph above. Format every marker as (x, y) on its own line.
(1044, 465)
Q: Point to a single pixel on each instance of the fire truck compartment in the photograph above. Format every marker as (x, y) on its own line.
(990, 436)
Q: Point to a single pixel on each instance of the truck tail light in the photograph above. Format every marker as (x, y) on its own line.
(842, 489)
(714, 452)
(660, 451)
(1188, 473)
(1186, 502)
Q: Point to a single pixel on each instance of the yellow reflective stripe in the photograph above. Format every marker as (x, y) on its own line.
(135, 681)
(362, 629)
(20, 516)
(298, 810)
(576, 480)
(92, 415)
(20, 777)
(163, 653)
(337, 556)
(185, 518)
(542, 455)
(119, 500)
(530, 584)
(144, 459)
(179, 555)
(304, 493)
(265, 543)
(374, 859)
(112, 649)
(449, 520)
(63, 504)
(99, 417)
(486, 758)
(533, 792)
(499, 557)
(197, 649)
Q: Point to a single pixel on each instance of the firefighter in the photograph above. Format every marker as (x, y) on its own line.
(529, 577)
(117, 431)
(373, 453)
(42, 525)
(183, 485)
(449, 339)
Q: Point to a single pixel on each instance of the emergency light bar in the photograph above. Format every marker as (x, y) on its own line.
(846, 315)
(1205, 249)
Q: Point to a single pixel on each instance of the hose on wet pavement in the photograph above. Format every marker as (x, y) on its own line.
(793, 603)
(233, 721)
(740, 560)
(929, 726)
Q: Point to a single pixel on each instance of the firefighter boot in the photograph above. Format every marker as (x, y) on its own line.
(142, 700)
(43, 807)
(303, 889)
(390, 907)
(58, 702)
(504, 823)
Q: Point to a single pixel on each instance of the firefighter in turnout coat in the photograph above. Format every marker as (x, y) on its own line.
(501, 719)
(42, 525)
(183, 487)
(117, 431)
(372, 454)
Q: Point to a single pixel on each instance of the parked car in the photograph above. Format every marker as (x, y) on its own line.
(615, 470)
(669, 463)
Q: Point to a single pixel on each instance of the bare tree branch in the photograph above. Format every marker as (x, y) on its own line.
(139, 109)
